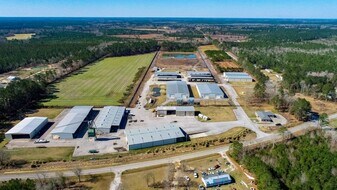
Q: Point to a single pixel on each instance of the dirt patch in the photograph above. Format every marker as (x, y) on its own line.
(319, 106)
(228, 64)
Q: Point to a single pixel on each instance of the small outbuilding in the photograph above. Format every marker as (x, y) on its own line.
(265, 116)
(177, 90)
(146, 137)
(109, 118)
(27, 128)
(237, 77)
(210, 91)
(217, 179)
(175, 110)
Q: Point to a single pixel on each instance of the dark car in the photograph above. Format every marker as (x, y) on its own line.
(93, 151)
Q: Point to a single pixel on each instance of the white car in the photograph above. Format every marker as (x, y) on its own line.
(196, 175)
(187, 178)
(41, 141)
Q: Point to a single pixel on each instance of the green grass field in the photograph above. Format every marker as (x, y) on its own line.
(99, 84)
(21, 36)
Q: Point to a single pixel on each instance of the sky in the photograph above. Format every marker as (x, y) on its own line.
(170, 8)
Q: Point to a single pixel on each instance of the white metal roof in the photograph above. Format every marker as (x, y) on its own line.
(109, 116)
(176, 108)
(235, 75)
(27, 125)
(198, 74)
(209, 88)
(211, 179)
(152, 134)
(73, 120)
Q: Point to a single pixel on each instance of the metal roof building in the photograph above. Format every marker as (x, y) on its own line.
(216, 179)
(70, 124)
(27, 128)
(177, 90)
(237, 77)
(108, 117)
(153, 136)
(195, 76)
(210, 91)
(167, 76)
(175, 110)
(263, 116)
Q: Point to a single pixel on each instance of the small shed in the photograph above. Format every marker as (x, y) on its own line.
(217, 179)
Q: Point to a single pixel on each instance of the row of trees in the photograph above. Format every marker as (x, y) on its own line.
(177, 46)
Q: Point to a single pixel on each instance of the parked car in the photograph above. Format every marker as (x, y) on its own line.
(93, 151)
(195, 175)
(187, 178)
(41, 141)
(216, 166)
(201, 187)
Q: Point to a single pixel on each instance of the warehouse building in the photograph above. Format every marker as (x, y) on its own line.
(177, 90)
(194, 76)
(237, 77)
(217, 179)
(175, 110)
(210, 91)
(263, 116)
(167, 76)
(27, 128)
(71, 124)
(154, 136)
(109, 119)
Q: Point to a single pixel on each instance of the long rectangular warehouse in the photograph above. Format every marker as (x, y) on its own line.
(175, 110)
(109, 117)
(71, 123)
(237, 77)
(210, 91)
(195, 76)
(153, 136)
(27, 128)
(177, 90)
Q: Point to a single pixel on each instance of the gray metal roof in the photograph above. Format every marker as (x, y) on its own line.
(177, 88)
(109, 116)
(209, 88)
(73, 120)
(264, 115)
(27, 125)
(152, 134)
(177, 108)
(199, 74)
(235, 75)
(167, 74)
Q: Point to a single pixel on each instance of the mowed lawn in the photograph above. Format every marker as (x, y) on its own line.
(99, 84)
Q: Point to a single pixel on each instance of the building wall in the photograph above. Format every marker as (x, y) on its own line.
(152, 144)
(32, 134)
(63, 135)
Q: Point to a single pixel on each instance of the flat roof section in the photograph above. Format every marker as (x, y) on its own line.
(27, 125)
(152, 134)
(237, 75)
(110, 116)
(73, 120)
(176, 108)
(199, 74)
(167, 74)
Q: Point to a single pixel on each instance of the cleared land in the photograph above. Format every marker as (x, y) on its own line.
(99, 84)
(46, 112)
(93, 182)
(217, 114)
(228, 64)
(320, 106)
(21, 36)
(136, 179)
(208, 47)
(41, 154)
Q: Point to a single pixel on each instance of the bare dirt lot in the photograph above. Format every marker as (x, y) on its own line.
(228, 64)
(319, 106)
(181, 64)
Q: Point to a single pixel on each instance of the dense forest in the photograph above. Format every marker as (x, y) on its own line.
(177, 46)
(307, 162)
(305, 56)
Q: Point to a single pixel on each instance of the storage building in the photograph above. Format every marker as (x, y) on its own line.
(146, 137)
(177, 90)
(217, 179)
(210, 91)
(175, 110)
(109, 118)
(27, 128)
(167, 76)
(194, 76)
(264, 116)
(68, 127)
(237, 77)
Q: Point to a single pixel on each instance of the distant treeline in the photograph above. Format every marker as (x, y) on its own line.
(186, 34)
(122, 31)
(177, 46)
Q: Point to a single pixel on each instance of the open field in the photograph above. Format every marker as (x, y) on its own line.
(99, 84)
(217, 114)
(93, 182)
(47, 154)
(208, 47)
(51, 113)
(195, 91)
(21, 36)
(138, 177)
(319, 106)
(203, 163)
(228, 64)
